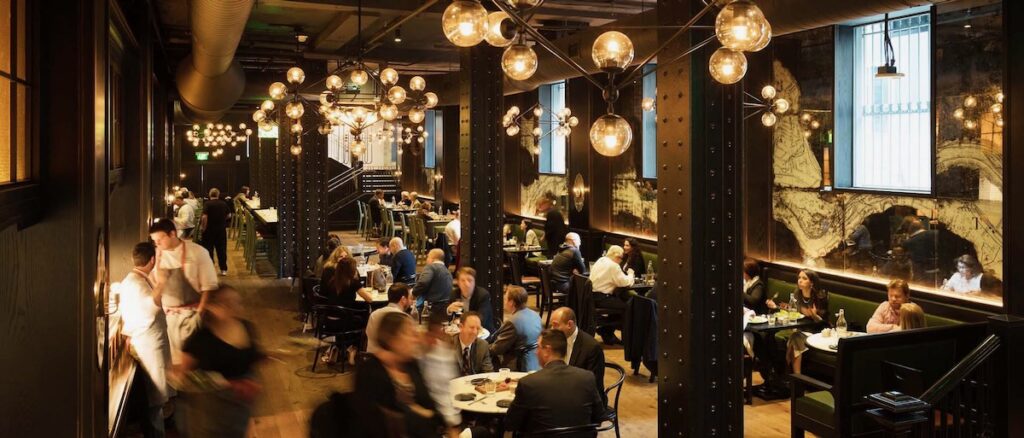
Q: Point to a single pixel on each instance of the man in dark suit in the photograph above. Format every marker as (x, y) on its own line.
(375, 204)
(556, 396)
(468, 297)
(403, 262)
(583, 350)
(920, 246)
(434, 285)
(474, 356)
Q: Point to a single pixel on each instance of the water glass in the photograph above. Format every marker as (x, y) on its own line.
(490, 387)
(504, 374)
(771, 319)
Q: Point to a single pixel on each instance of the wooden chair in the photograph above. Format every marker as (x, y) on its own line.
(612, 412)
(531, 284)
(548, 295)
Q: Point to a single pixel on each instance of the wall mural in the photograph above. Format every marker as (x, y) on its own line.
(968, 158)
(634, 205)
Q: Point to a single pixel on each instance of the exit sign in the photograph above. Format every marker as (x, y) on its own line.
(202, 156)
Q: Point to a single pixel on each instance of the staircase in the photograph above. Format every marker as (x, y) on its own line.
(353, 184)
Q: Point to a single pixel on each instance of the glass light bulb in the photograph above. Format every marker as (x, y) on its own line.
(996, 108)
(769, 118)
(740, 25)
(417, 83)
(727, 66)
(815, 124)
(573, 121)
(464, 23)
(266, 126)
(396, 95)
(970, 124)
(493, 34)
(999, 122)
(780, 106)
(766, 37)
(278, 90)
(388, 112)
(296, 128)
(514, 110)
(389, 76)
(1000, 97)
(519, 62)
(416, 115)
(296, 150)
(958, 113)
(538, 111)
(432, 99)
(334, 82)
(970, 101)
(537, 132)
(610, 135)
(647, 104)
(512, 130)
(248, 132)
(295, 75)
(768, 92)
(294, 110)
(359, 76)
(612, 51)
(259, 116)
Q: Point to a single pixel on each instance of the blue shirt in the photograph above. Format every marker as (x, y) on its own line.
(403, 267)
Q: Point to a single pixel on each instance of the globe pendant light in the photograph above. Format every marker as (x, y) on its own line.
(388, 112)
(464, 23)
(727, 66)
(359, 76)
(295, 75)
(519, 62)
(389, 76)
(277, 90)
(431, 98)
(267, 106)
(294, 110)
(740, 25)
(769, 118)
(416, 115)
(334, 82)
(612, 51)
(495, 35)
(417, 83)
(396, 95)
(610, 135)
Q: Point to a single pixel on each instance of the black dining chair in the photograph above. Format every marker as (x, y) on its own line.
(343, 324)
(531, 284)
(612, 412)
(581, 430)
(548, 295)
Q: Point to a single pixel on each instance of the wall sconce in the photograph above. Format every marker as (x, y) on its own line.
(770, 107)
(579, 193)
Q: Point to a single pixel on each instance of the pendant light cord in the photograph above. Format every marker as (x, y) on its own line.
(890, 53)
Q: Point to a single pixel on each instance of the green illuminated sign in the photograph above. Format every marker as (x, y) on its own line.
(202, 156)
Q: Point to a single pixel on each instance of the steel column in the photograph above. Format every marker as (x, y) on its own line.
(481, 155)
(699, 241)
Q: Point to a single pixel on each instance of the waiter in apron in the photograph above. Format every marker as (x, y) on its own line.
(184, 270)
(146, 328)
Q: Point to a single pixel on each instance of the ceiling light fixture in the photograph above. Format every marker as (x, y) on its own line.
(888, 71)
(398, 35)
(770, 106)
(740, 26)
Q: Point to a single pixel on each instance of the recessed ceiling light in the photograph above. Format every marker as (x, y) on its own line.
(967, 26)
(398, 35)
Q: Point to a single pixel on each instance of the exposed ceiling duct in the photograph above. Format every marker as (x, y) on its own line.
(209, 80)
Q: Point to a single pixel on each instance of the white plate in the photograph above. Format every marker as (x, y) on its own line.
(758, 319)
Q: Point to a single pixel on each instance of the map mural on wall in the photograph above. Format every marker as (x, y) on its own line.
(634, 204)
(820, 221)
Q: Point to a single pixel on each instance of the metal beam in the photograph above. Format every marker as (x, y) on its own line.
(338, 32)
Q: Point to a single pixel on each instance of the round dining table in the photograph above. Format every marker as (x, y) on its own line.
(828, 344)
(481, 403)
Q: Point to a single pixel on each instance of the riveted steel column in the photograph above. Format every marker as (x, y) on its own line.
(481, 154)
(699, 339)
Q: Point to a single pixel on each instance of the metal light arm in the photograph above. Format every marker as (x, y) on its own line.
(545, 43)
(639, 67)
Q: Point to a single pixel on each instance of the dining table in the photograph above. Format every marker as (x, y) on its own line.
(465, 397)
(766, 328)
(828, 341)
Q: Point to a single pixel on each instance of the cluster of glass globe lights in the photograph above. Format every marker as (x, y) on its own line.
(354, 117)
(972, 109)
(561, 126)
(740, 27)
(217, 136)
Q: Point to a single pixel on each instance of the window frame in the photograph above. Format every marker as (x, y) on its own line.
(841, 162)
(431, 122)
(545, 144)
(649, 140)
(20, 200)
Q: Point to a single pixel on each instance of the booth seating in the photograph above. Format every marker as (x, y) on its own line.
(857, 309)
(648, 250)
(868, 365)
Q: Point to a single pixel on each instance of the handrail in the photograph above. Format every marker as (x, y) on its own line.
(951, 379)
(344, 177)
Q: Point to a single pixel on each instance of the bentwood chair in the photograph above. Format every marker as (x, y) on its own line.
(612, 412)
(549, 298)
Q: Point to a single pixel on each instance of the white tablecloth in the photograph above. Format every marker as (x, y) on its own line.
(253, 203)
(269, 215)
(488, 404)
(822, 343)
(378, 297)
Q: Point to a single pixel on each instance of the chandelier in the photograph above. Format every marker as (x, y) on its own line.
(740, 27)
(335, 106)
(974, 107)
(561, 125)
(771, 107)
(218, 135)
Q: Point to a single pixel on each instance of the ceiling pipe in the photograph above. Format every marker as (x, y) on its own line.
(209, 79)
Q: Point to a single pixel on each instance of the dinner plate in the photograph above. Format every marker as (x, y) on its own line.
(466, 396)
(504, 403)
(758, 319)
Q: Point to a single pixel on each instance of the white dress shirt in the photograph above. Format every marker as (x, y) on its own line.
(439, 367)
(186, 217)
(570, 342)
(373, 321)
(146, 327)
(606, 275)
(957, 283)
(454, 232)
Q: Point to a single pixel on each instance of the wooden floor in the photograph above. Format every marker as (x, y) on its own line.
(292, 391)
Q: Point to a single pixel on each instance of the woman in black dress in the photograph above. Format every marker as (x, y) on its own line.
(224, 346)
(343, 286)
(812, 302)
(633, 258)
(755, 294)
(396, 402)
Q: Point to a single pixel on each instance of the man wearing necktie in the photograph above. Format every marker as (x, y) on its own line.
(474, 357)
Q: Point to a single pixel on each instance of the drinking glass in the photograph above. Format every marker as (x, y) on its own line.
(504, 374)
(490, 387)
(771, 319)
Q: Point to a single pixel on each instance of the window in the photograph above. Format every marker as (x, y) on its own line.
(891, 135)
(15, 93)
(649, 121)
(432, 126)
(552, 146)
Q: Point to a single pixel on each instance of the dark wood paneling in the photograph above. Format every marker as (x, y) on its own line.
(449, 161)
(1013, 183)
(757, 163)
